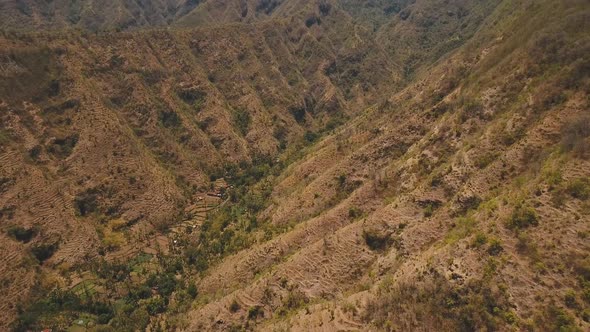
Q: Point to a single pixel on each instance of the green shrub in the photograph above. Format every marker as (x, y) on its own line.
(467, 204)
(21, 234)
(295, 300)
(192, 290)
(442, 306)
(165, 283)
(460, 228)
(355, 213)
(559, 320)
(486, 159)
(579, 188)
(310, 136)
(298, 113)
(169, 119)
(156, 306)
(44, 251)
(428, 211)
(570, 299)
(341, 180)
(523, 217)
(479, 240)
(60, 304)
(495, 247)
(193, 97)
(255, 312)
(242, 121)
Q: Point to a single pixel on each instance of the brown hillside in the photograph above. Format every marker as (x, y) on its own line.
(296, 165)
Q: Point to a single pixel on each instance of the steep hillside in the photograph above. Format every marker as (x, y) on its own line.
(129, 128)
(460, 203)
(296, 165)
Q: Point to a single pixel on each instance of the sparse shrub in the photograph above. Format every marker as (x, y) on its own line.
(471, 109)
(522, 217)
(169, 119)
(24, 8)
(460, 228)
(540, 267)
(467, 204)
(310, 136)
(579, 188)
(21, 234)
(298, 113)
(548, 96)
(355, 213)
(559, 320)
(140, 292)
(242, 121)
(429, 209)
(575, 137)
(266, 6)
(235, 306)
(558, 197)
(59, 303)
(341, 179)
(280, 133)
(44, 251)
(192, 96)
(165, 283)
(255, 312)
(35, 152)
(4, 137)
(476, 306)
(54, 88)
(484, 160)
(553, 178)
(570, 299)
(527, 246)
(548, 47)
(7, 211)
(192, 290)
(479, 240)
(376, 241)
(63, 147)
(156, 305)
(311, 20)
(509, 137)
(325, 8)
(295, 299)
(152, 77)
(437, 180)
(86, 202)
(495, 247)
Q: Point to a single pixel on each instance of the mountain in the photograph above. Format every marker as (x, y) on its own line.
(295, 165)
(92, 15)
